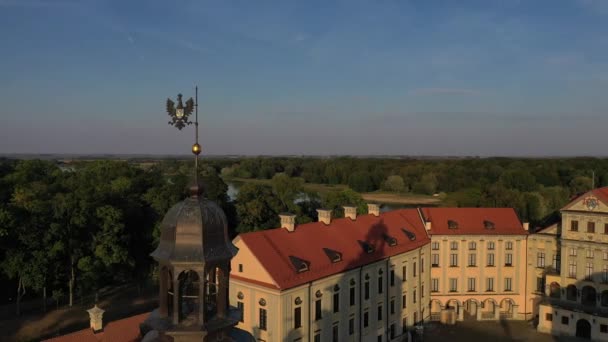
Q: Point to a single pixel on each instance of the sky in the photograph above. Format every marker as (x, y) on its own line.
(357, 77)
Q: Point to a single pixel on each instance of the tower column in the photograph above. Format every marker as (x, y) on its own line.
(163, 293)
(176, 295)
(222, 293)
(202, 302)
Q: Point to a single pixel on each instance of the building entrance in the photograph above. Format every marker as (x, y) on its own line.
(583, 329)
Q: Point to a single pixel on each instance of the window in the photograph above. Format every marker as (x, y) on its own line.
(572, 269)
(380, 338)
(404, 325)
(574, 226)
(404, 301)
(490, 259)
(472, 260)
(392, 331)
(508, 259)
(435, 246)
(414, 270)
(297, 317)
(588, 270)
(453, 284)
(336, 302)
(352, 296)
(318, 336)
(605, 228)
(392, 277)
(490, 284)
(404, 273)
(472, 245)
(435, 285)
(351, 326)
(509, 245)
(241, 308)
(565, 320)
(471, 283)
(414, 296)
(392, 306)
(379, 312)
(605, 255)
(453, 260)
(540, 284)
(590, 227)
(366, 289)
(454, 245)
(241, 268)
(556, 262)
(421, 265)
(540, 259)
(491, 245)
(262, 319)
(572, 251)
(334, 333)
(508, 284)
(380, 284)
(590, 253)
(605, 274)
(549, 317)
(604, 328)
(422, 291)
(434, 260)
(366, 319)
(318, 314)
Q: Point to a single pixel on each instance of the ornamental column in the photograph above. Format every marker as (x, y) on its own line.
(222, 293)
(163, 293)
(176, 294)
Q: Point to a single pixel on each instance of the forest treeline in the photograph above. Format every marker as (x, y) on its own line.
(75, 230)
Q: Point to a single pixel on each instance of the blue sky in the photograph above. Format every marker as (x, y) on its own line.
(487, 77)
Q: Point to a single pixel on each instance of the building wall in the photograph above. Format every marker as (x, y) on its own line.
(280, 306)
(444, 273)
(560, 322)
(543, 259)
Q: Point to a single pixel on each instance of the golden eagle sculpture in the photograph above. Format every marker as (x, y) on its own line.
(179, 114)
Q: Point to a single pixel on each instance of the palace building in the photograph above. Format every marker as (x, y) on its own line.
(570, 267)
(374, 277)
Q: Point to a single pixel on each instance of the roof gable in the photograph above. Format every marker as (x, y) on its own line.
(364, 240)
(473, 221)
(595, 200)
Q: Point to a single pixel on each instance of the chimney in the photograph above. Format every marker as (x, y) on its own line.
(96, 317)
(324, 215)
(350, 212)
(373, 209)
(288, 221)
(526, 225)
(427, 225)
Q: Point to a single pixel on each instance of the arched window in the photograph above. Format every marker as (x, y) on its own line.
(604, 301)
(554, 289)
(588, 296)
(571, 292)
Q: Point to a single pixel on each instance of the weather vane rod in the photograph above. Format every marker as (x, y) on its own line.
(179, 118)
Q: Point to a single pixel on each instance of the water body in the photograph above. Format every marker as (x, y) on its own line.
(233, 190)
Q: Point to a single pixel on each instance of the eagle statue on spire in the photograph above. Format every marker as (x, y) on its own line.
(179, 114)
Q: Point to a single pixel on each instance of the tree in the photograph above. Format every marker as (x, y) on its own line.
(361, 181)
(257, 207)
(427, 185)
(287, 189)
(521, 180)
(394, 183)
(335, 200)
(580, 184)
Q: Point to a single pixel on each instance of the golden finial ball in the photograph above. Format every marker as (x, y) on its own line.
(196, 149)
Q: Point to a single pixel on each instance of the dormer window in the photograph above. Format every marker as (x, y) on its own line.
(367, 247)
(299, 264)
(410, 235)
(390, 240)
(488, 224)
(452, 224)
(334, 256)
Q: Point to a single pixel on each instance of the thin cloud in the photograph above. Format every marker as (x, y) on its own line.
(445, 91)
(36, 3)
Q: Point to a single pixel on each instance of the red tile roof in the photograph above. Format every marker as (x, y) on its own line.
(471, 221)
(124, 330)
(274, 247)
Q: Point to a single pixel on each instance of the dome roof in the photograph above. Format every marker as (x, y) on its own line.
(194, 230)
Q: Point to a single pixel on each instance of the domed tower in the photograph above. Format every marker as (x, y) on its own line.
(194, 255)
